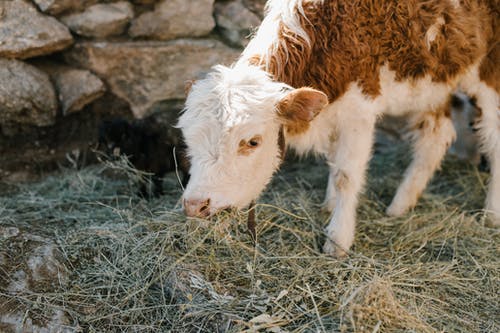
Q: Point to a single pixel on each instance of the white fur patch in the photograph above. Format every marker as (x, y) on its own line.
(400, 98)
(266, 41)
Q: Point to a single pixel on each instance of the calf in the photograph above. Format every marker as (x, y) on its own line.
(321, 72)
(147, 148)
(465, 114)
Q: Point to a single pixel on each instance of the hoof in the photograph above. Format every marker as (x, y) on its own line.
(326, 210)
(395, 210)
(493, 220)
(334, 250)
(327, 207)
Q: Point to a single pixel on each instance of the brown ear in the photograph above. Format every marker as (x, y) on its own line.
(187, 86)
(302, 105)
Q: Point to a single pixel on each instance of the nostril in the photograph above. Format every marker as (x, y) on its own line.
(196, 207)
(205, 207)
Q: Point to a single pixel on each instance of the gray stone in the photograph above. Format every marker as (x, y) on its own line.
(25, 33)
(31, 265)
(8, 232)
(144, 2)
(235, 21)
(175, 18)
(101, 20)
(55, 7)
(256, 6)
(26, 94)
(21, 321)
(77, 88)
(145, 73)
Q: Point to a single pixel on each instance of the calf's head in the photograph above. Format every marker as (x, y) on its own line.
(232, 124)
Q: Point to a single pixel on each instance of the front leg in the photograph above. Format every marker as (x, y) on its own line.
(355, 129)
(328, 204)
(488, 100)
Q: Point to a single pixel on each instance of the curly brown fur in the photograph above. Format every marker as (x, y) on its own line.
(351, 39)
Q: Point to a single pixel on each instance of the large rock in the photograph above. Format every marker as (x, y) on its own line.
(235, 21)
(75, 88)
(101, 20)
(26, 94)
(145, 73)
(55, 7)
(25, 33)
(175, 18)
(30, 265)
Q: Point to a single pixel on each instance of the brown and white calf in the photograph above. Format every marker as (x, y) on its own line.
(321, 72)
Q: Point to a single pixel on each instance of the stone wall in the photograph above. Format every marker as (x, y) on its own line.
(67, 64)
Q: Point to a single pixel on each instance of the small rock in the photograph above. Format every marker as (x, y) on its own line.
(101, 20)
(175, 18)
(44, 264)
(235, 21)
(145, 73)
(77, 88)
(26, 94)
(256, 6)
(55, 7)
(25, 33)
(16, 322)
(144, 2)
(30, 264)
(8, 232)
(18, 282)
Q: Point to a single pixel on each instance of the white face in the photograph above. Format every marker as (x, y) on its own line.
(231, 126)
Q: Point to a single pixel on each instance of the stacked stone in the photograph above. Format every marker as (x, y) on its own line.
(63, 57)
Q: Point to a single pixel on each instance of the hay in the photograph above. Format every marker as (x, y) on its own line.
(139, 266)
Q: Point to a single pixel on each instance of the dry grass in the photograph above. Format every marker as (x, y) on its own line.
(139, 266)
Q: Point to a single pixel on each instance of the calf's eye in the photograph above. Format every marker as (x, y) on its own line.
(247, 146)
(254, 142)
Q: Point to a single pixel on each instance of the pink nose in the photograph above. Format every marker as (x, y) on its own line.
(197, 207)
